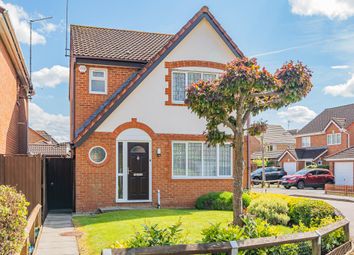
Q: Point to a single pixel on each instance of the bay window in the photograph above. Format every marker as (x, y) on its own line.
(198, 160)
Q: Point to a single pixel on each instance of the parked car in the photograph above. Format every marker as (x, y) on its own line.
(271, 173)
(315, 178)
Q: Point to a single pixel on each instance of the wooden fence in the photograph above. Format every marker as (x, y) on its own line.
(233, 247)
(26, 174)
(32, 231)
(346, 190)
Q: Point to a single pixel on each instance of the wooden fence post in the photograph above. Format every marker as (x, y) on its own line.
(316, 244)
(346, 232)
(234, 248)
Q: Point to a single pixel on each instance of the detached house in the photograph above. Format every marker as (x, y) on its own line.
(135, 140)
(15, 89)
(326, 140)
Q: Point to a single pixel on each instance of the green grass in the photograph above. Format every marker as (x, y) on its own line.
(101, 231)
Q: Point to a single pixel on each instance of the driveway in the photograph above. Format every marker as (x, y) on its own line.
(346, 207)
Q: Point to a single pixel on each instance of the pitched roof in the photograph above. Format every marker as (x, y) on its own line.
(116, 44)
(345, 154)
(114, 101)
(342, 115)
(47, 136)
(61, 149)
(307, 153)
(276, 134)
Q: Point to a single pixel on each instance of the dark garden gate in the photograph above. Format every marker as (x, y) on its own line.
(60, 183)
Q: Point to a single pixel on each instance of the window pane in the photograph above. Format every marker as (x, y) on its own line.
(225, 160)
(209, 76)
(98, 86)
(179, 159)
(120, 187)
(179, 86)
(98, 74)
(209, 155)
(97, 155)
(339, 138)
(193, 78)
(120, 157)
(194, 159)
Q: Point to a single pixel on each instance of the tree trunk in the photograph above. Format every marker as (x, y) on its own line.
(238, 177)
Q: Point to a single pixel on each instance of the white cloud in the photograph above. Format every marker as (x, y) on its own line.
(297, 114)
(56, 125)
(345, 89)
(340, 67)
(19, 19)
(50, 77)
(333, 9)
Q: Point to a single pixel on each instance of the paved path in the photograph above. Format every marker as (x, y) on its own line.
(346, 207)
(57, 238)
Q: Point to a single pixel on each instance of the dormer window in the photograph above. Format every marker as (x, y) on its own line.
(182, 79)
(306, 141)
(334, 139)
(98, 81)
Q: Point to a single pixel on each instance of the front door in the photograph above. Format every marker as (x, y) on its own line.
(138, 171)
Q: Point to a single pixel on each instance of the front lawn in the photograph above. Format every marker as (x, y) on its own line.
(101, 231)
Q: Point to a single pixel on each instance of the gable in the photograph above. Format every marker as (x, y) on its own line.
(104, 111)
(147, 102)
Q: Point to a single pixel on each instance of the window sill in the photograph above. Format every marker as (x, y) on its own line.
(203, 178)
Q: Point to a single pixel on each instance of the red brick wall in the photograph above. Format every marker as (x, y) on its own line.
(34, 137)
(13, 117)
(96, 185)
(321, 140)
(85, 103)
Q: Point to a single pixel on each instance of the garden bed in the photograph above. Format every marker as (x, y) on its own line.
(120, 228)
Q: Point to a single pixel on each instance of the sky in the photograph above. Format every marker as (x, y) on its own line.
(320, 33)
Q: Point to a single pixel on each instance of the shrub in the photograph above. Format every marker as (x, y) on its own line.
(251, 229)
(273, 210)
(310, 212)
(154, 236)
(13, 212)
(220, 201)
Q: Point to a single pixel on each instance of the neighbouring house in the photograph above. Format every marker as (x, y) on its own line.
(326, 140)
(135, 141)
(41, 143)
(15, 88)
(275, 140)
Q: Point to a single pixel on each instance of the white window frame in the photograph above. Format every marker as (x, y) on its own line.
(218, 176)
(306, 145)
(104, 78)
(105, 155)
(334, 139)
(186, 82)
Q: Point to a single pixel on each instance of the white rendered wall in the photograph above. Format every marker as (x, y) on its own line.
(147, 101)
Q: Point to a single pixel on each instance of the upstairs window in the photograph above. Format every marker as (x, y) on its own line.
(98, 81)
(334, 139)
(182, 79)
(306, 141)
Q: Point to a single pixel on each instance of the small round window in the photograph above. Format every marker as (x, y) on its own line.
(97, 154)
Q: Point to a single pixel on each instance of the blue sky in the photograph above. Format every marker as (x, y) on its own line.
(320, 33)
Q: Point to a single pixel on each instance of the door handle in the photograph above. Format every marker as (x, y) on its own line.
(52, 184)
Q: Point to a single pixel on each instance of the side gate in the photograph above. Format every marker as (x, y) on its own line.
(60, 183)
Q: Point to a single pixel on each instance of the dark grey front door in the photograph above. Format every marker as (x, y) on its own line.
(138, 171)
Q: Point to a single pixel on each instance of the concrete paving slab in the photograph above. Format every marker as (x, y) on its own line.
(55, 239)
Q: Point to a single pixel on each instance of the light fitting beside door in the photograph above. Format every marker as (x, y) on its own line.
(158, 152)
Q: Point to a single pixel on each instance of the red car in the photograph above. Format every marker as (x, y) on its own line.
(315, 178)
